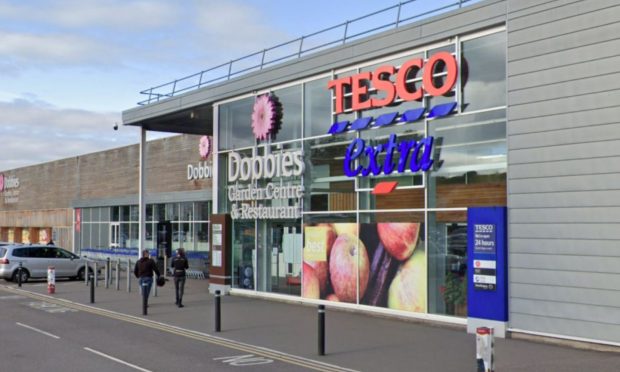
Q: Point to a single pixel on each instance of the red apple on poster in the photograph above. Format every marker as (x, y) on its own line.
(310, 283)
(332, 297)
(321, 271)
(343, 267)
(408, 288)
(346, 228)
(330, 236)
(399, 238)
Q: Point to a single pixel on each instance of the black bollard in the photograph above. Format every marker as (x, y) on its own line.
(321, 329)
(92, 288)
(145, 298)
(19, 275)
(217, 312)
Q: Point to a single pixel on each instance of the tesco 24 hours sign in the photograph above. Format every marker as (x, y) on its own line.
(398, 155)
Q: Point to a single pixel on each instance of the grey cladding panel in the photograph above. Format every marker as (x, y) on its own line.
(565, 279)
(597, 297)
(569, 311)
(563, 105)
(583, 118)
(589, 134)
(600, 182)
(565, 168)
(586, 198)
(575, 73)
(563, 42)
(566, 327)
(563, 246)
(576, 263)
(570, 151)
(567, 231)
(573, 18)
(568, 88)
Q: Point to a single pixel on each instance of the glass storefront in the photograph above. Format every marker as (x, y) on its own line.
(117, 226)
(404, 250)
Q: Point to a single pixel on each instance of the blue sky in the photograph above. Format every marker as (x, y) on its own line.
(68, 68)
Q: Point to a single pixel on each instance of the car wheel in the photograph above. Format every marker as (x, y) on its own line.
(80, 275)
(25, 276)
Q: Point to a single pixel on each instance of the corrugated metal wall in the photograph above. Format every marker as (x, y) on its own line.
(564, 167)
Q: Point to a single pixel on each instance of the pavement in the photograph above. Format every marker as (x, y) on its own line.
(354, 340)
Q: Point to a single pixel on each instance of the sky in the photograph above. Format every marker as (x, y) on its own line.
(68, 68)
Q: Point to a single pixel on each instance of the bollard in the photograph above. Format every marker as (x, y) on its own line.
(51, 280)
(145, 297)
(92, 288)
(19, 275)
(321, 332)
(484, 350)
(218, 319)
(106, 274)
(128, 275)
(95, 274)
(154, 288)
(118, 274)
(86, 272)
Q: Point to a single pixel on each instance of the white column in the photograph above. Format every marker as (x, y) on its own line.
(142, 179)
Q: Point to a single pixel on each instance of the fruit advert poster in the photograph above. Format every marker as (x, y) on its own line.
(386, 258)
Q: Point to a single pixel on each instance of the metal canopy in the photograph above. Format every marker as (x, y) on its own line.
(198, 120)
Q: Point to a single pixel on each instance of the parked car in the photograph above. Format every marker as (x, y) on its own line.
(35, 260)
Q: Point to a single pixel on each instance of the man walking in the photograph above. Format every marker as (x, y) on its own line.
(144, 269)
(179, 265)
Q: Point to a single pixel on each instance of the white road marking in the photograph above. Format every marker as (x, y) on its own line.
(117, 360)
(37, 330)
(244, 360)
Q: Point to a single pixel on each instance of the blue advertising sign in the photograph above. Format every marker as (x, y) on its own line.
(487, 284)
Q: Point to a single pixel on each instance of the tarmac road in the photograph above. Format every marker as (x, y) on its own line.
(286, 334)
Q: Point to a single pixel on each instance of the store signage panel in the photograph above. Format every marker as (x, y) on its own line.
(398, 155)
(9, 188)
(246, 199)
(487, 285)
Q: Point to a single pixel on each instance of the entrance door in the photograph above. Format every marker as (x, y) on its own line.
(115, 230)
(283, 247)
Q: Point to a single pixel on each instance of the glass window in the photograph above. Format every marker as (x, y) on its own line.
(105, 214)
(202, 210)
(471, 160)
(149, 212)
(115, 214)
(290, 101)
(483, 75)
(202, 236)
(439, 78)
(125, 213)
(134, 213)
(86, 214)
(447, 263)
(317, 108)
(187, 211)
(235, 127)
(172, 212)
(327, 188)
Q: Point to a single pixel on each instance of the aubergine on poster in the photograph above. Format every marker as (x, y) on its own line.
(385, 260)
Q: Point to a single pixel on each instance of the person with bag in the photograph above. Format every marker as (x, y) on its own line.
(144, 269)
(179, 265)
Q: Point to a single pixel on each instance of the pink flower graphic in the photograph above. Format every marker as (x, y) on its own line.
(1, 182)
(204, 148)
(263, 116)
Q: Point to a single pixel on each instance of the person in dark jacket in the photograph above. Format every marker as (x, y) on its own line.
(179, 265)
(144, 269)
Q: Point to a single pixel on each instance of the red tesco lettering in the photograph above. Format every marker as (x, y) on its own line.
(380, 80)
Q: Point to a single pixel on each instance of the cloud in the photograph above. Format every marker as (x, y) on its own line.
(22, 50)
(75, 14)
(34, 132)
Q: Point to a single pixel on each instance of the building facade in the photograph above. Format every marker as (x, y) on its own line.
(348, 173)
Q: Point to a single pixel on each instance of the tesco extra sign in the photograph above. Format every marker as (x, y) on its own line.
(380, 79)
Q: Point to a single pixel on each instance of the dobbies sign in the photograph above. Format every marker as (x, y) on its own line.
(398, 155)
(203, 169)
(248, 201)
(8, 188)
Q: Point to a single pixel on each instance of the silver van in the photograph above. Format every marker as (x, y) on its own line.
(36, 259)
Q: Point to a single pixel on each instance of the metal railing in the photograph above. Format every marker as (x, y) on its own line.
(293, 49)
